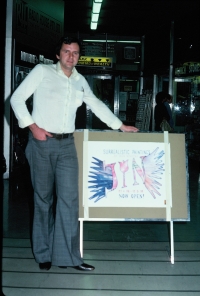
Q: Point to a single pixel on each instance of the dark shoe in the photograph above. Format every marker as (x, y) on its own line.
(84, 267)
(45, 265)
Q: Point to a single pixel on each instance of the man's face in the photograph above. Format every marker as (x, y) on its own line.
(69, 56)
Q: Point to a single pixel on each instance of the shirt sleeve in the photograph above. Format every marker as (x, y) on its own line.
(100, 109)
(26, 88)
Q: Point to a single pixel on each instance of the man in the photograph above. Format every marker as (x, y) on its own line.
(58, 90)
(160, 111)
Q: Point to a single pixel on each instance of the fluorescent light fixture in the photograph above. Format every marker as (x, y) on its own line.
(96, 7)
(93, 25)
(129, 41)
(95, 17)
(95, 40)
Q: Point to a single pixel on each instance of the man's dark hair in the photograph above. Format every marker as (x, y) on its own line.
(67, 40)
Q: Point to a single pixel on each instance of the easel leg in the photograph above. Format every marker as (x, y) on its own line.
(81, 237)
(172, 241)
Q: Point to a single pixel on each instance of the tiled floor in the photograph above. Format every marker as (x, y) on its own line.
(131, 258)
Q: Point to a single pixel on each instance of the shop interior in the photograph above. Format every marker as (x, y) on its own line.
(135, 52)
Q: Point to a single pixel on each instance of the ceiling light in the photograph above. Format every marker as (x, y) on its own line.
(95, 17)
(96, 7)
(93, 25)
(127, 41)
(103, 40)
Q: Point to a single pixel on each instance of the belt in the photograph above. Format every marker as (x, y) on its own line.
(61, 136)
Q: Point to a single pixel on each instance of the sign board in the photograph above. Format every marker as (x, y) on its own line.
(125, 174)
(95, 62)
(177, 175)
(38, 24)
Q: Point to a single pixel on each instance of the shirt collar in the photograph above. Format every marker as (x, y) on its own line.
(74, 71)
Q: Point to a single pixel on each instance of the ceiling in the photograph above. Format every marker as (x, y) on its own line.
(149, 18)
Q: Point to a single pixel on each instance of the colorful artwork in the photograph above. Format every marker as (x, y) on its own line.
(122, 174)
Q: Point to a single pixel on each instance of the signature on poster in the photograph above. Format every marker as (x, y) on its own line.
(104, 179)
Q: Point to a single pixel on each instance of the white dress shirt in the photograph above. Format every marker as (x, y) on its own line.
(56, 98)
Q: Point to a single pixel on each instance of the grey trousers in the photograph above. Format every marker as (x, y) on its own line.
(55, 162)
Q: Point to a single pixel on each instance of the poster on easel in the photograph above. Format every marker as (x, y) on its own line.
(175, 164)
(126, 174)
